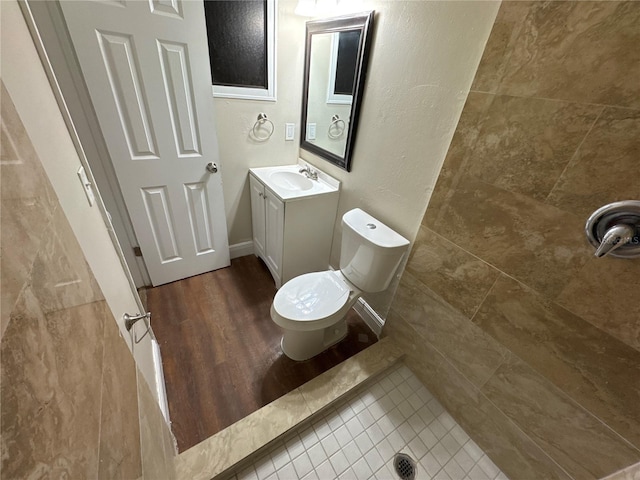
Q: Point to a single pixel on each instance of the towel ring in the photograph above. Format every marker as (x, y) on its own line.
(260, 122)
(338, 125)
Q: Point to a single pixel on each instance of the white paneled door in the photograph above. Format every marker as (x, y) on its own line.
(146, 65)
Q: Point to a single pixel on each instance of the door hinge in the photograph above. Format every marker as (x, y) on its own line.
(137, 251)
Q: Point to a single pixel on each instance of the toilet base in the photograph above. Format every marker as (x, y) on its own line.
(300, 345)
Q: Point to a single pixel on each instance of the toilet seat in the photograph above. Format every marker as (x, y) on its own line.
(311, 301)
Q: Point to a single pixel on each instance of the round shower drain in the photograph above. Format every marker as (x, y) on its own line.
(405, 466)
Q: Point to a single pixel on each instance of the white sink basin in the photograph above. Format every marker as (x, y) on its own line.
(291, 181)
(288, 183)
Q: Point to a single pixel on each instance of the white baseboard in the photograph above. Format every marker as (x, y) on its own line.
(241, 249)
(369, 315)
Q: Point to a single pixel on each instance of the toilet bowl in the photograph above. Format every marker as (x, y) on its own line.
(311, 308)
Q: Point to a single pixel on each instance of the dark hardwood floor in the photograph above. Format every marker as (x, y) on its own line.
(221, 350)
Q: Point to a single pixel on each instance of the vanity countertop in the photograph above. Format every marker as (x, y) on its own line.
(288, 183)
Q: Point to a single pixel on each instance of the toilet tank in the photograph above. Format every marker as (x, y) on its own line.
(371, 251)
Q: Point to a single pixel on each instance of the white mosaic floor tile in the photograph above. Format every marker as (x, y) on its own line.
(330, 444)
(339, 462)
(287, 472)
(358, 439)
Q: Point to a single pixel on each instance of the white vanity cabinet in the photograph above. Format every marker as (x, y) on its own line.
(267, 216)
(292, 231)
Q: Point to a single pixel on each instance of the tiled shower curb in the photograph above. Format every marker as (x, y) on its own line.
(225, 450)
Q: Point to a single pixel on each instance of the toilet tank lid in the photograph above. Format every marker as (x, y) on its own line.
(373, 230)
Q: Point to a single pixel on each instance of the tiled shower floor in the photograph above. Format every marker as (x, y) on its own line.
(359, 438)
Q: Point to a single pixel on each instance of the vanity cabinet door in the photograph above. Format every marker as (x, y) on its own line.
(274, 213)
(258, 216)
(292, 234)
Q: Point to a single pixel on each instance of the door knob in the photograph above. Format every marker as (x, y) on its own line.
(615, 229)
(212, 167)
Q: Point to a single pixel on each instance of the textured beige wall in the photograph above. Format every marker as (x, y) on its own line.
(420, 71)
(529, 341)
(235, 119)
(418, 53)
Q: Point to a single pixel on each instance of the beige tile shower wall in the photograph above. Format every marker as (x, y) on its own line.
(68, 382)
(62, 358)
(526, 338)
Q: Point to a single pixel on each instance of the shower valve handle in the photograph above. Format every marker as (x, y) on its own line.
(614, 229)
(615, 237)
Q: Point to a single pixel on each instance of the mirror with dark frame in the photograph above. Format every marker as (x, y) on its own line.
(336, 55)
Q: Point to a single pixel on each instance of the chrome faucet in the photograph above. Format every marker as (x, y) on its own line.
(309, 172)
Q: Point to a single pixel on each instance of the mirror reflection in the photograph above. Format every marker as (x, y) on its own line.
(335, 67)
(331, 81)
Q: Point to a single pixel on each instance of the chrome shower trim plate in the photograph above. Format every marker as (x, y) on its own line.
(626, 212)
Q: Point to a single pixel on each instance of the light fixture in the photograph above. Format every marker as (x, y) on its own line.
(327, 8)
(306, 8)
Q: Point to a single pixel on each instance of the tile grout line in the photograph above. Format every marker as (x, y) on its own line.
(598, 327)
(348, 403)
(493, 267)
(353, 439)
(427, 426)
(575, 154)
(562, 391)
(510, 46)
(445, 359)
(104, 353)
(550, 99)
(561, 306)
(482, 303)
(575, 402)
(526, 435)
(28, 283)
(390, 358)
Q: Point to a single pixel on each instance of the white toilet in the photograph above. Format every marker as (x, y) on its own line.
(312, 308)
